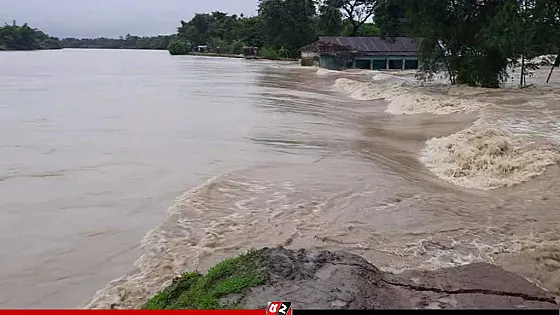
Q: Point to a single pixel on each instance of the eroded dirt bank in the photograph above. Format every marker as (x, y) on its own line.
(340, 280)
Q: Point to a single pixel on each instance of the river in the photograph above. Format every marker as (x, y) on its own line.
(108, 156)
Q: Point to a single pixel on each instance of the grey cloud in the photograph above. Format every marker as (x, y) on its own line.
(113, 18)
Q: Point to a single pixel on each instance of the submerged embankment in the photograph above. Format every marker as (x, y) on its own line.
(491, 153)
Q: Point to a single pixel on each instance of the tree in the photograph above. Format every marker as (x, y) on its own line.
(179, 47)
(198, 29)
(288, 23)
(473, 40)
(390, 17)
(548, 25)
(14, 37)
(369, 30)
(274, 21)
(250, 31)
(237, 47)
(357, 12)
(330, 21)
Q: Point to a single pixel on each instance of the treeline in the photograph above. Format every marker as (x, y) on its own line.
(24, 37)
(280, 28)
(160, 42)
(14, 37)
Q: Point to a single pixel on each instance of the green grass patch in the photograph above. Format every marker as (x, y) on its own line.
(196, 291)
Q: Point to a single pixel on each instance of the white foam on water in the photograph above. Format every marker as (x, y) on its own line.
(486, 157)
(405, 97)
(221, 218)
(168, 251)
(228, 214)
(482, 245)
(491, 154)
(322, 72)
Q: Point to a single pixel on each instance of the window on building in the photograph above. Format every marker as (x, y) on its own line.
(395, 64)
(380, 64)
(363, 64)
(411, 64)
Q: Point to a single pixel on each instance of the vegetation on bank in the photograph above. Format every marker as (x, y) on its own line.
(24, 37)
(196, 291)
(279, 30)
(160, 42)
(474, 41)
(179, 47)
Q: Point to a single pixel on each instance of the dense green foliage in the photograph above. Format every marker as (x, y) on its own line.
(356, 12)
(14, 37)
(179, 47)
(196, 291)
(269, 53)
(281, 27)
(475, 41)
(329, 21)
(390, 17)
(222, 33)
(160, 42)
(288, 23)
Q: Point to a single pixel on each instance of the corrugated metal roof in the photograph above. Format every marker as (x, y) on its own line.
(376, 45)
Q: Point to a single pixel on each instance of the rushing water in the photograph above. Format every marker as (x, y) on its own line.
(96, 145)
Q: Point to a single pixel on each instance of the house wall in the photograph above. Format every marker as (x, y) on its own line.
(309, 58)
(329, 62)
(309, 55)
(370, 62)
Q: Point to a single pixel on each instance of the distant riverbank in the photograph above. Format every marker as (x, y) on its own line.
(14, 37)
(237, 56)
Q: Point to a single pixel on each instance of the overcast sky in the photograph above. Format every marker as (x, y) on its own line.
(113, 18)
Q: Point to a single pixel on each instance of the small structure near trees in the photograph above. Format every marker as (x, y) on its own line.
(250, 52)
(375, 53)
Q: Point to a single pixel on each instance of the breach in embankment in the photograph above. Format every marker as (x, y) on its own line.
(515, 138)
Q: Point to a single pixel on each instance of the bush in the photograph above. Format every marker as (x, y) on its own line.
(237, 47)
(202, 292)
(178, 47)
(269, 53)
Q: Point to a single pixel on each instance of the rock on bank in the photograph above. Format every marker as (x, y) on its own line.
(339, 280)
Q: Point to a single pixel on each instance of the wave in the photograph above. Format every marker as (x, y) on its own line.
(404, 97)
(169, 250)
(227, 215)
(322, 72)
(485, 244)
(230, 213)
(486, 157)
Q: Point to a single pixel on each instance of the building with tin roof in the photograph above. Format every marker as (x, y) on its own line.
(375, 53)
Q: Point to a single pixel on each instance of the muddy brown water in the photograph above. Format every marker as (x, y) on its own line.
(214, 156)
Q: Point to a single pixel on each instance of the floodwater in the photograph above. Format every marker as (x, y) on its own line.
(214, 156)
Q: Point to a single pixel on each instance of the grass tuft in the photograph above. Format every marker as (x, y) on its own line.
(196, 291)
